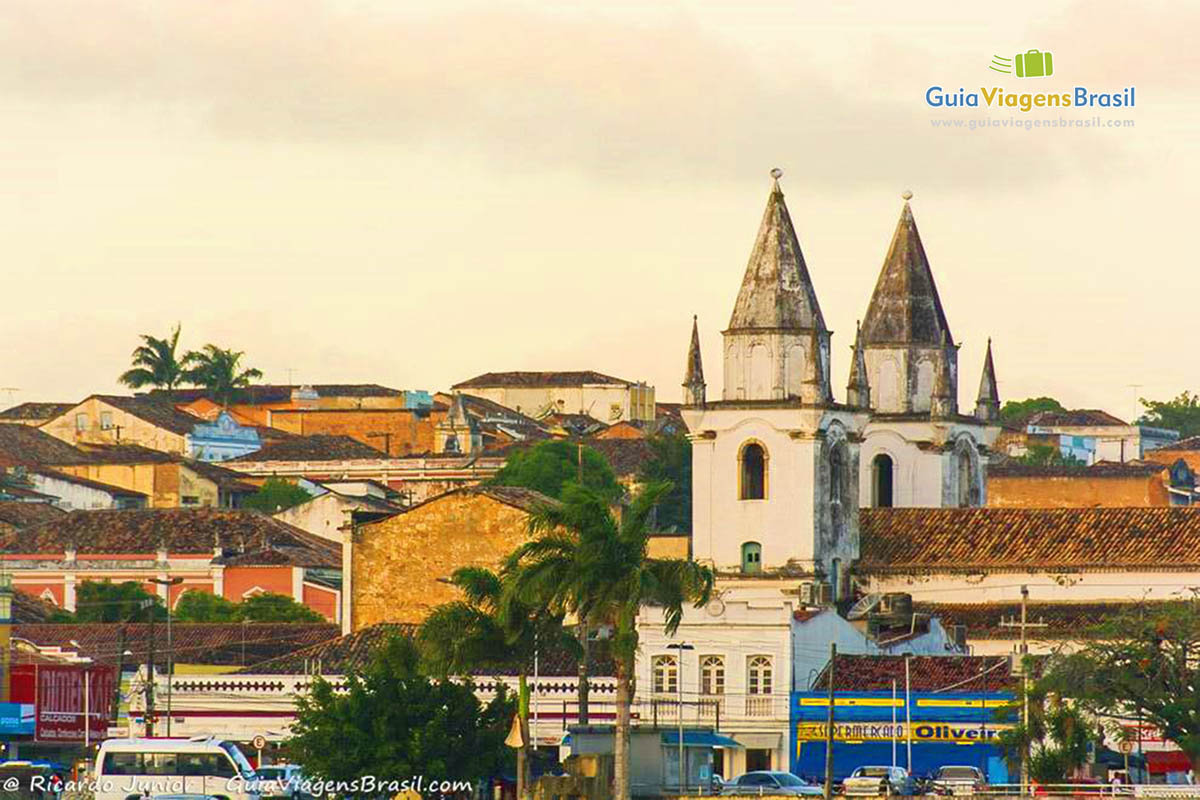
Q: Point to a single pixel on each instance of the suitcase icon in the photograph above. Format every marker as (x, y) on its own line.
(1034, 64)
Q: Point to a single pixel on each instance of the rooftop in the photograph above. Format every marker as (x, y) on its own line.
(23, 515)
(577, 378)
(116, 491)
(1104, 469)
(23, 445)
(158, 412)
(1054, 621)
(926, 673)
(1076, 418)
(319, 447)
(972, 539)
(263, 394)
(35, 411)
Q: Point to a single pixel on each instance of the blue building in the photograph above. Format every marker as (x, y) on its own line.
(222, 439)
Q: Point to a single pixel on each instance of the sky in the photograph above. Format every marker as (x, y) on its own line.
(414, 193)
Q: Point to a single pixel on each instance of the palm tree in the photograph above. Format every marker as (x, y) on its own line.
(155, 363)
(490, 628)
(584, 561)
(219, 371)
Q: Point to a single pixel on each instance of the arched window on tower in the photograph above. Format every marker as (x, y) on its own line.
(752, 482)
(882, 481)
(837, 487)
(968, 479)
(751, 557)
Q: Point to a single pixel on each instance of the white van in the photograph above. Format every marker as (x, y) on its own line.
(130, 769)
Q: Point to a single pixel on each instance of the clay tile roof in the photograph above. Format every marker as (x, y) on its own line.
(116, 491)
(35, 411)
(969, 539)
(338, 656)
(905, 307)
(927, 673)
(625, 456)
(226, 479)
(1104, 469)
(1190, 443)
(22, 445)
(160, 413)
(27, 608)
(219, 643)
(1053, 621)
(1079, 417)
(568, 378)
(320, 447)
(777, 291)
(23, 515)
(266, 393)
(242, 534)
(121, 454)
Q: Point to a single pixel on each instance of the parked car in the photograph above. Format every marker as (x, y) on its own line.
(130, 769)
(952, 780)
(772, 782)
(875, 781)
(279, 780)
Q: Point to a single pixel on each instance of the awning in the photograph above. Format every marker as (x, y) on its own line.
(1163, 761)
(758, 741)
(699, 739)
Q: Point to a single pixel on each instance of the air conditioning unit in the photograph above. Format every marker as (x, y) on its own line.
(824, 593)
(808, 593)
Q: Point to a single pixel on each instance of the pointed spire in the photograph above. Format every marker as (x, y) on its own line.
(944, 403)
(858, 391)
(987, 406)
(777, 292)
(905, 307)
(693, 377)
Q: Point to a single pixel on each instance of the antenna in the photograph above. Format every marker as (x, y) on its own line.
(290, 372)
(11, 390)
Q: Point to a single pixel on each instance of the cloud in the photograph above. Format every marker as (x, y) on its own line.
(650, 101)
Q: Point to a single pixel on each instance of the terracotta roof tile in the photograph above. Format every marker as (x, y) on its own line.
(1053, 621)
(568, 378)
(1079, 417)
(35, 411)
(319, 447)
(159, 413)
(23, 515)
(966, 539)
(266, 393)
(22, 445)
(926, 673)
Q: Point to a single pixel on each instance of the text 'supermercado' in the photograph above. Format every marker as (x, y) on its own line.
(944, 729)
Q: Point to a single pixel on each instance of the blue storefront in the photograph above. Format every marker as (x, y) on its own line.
(946, 729)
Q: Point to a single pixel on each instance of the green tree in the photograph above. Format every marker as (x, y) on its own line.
(1047, 455)
(392, 722)
(155, 363)
(1014, 413)
(1056, 736)
(105, 601)
(672, 463)
(551, 466)
(272, 607)
(275, 495)
(205, 607)
(219, 371)
(488, 629)
(1180, 414)
(1142, 663)
(584, 561)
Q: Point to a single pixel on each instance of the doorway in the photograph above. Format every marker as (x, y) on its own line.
(757, 760)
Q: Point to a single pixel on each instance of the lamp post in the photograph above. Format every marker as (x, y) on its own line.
(169, 582)
(680, 646)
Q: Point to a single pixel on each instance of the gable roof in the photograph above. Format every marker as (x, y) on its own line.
(35, 411)
(23, 445)
(968, 539)
(905, 307)
(515, 496)
(115, 491)
(625, 456)
(318, 447)
(24, 515)
(247, 537)
(1078, 417)
(1190, 443)
(926, 673)
(777, 292)
(1053, 621)
(560, 378)
(27, 608)
(157, 412)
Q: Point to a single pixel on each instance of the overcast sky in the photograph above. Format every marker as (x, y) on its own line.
(411, 194)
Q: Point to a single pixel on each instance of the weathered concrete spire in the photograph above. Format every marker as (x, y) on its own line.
(693, 377)
(944, 403)
(987, 406)
(858, 391)
(777, 292)
(905, 308)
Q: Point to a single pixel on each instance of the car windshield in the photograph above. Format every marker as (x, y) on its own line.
(788, 779)
(243, 765)
(956, 773)
(871, 772)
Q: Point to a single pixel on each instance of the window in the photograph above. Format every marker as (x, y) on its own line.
(106, 420)
(81, 422)
(665, 675)
(712, 675)
(751, 557)
(753, 479)
(968, 484)
(837, 487)
(882, 481)
(759, 685)
(123, 764)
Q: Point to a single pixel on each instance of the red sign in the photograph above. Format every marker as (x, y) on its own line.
(66, 695)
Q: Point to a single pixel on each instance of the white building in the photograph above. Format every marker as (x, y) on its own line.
(538, 394)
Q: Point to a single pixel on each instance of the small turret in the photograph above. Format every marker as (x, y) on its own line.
(858, 391)
(987, 406)
(693, 377)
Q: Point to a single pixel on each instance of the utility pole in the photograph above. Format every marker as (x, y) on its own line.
(1022, 652)
(908, 712)
(150, 674)
(829, 722)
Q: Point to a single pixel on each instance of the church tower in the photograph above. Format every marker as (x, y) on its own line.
(694, 389)
(775, 460)
(918, 450)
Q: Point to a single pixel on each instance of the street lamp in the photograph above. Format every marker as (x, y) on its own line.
(168, 582)
(680, 646)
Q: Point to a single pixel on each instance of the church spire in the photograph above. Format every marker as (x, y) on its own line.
(777, 292)
(987, 407)
(944, 402)
(693, 377)
(858, 391)
(905, 308)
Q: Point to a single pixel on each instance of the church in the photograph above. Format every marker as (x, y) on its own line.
(780, 465)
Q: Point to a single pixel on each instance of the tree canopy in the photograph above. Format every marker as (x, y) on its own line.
(105, 601)
(551, 466)
(156, 363)
(672, 463)
(1014, 413)
(1047, 455)
(1182, 413)
(220, 371)
(393, 722)
(275, 495)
